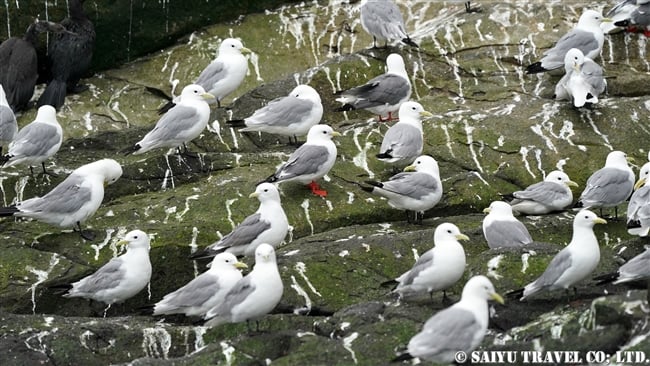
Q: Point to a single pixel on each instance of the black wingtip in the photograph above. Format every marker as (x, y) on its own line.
(146, 309)
(633, 224)
(8, 211)
(345, 108)
(403, 357)
(507, 196)
(132, 149)
(535, 68)
(622, 23)
(384, 155)
(164, 109)
(203, 254)
(606, 278)
(579, 204)
(389, 283)
(236, 123)
(515, 294)
(366, 188)
(374, 183)
(61, 289)
(409, 42)
(157, 92)
(4, 159)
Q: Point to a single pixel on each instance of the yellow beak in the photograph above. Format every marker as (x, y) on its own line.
(598, 220)
(122, 243)
(487, 210)
(496, 297)
(240, 265)
(462, 237)
(607, 20)
(629, 159)
(639, 183)
(246, 50)
(253, 195)
(410, 168)
(425, 114)
(571, 183)
(336, 134)
(208, 96)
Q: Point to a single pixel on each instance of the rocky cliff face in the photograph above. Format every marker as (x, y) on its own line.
(495, 130)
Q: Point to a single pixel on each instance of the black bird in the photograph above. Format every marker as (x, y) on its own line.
(69, 56)
(19, 64)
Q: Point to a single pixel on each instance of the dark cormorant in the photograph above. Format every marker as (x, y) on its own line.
(18, 64)
(69, 56)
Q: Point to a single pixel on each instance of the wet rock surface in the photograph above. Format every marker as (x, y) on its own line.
(495, 130)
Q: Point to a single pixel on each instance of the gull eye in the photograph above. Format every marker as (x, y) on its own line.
(559, 178)
(135, 237)
(266, 190)
(449, 231)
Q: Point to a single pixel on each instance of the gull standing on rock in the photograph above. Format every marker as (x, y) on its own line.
(74, 200)
(8, 124)
(292, 115)
(458, 328)
(573, 263)
(381, 95)
(609, 186)
(404, 141)
(205, 291)
(440, 267)
(638, 210)
(311, 161)
(253, 296)
(417, 189)
(36, 142)
(502, 230)
(181, 124)
(119, 279)
(383, 20)
(268, 225)
(587, 36)
(583, 80)
(552, 194)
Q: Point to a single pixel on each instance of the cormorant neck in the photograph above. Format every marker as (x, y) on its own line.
(76, 8)
(31, 35)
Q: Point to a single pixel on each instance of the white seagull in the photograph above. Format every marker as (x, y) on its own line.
(74, 200)
(36, 142)
(404, 141)
(253, 296)
(583, 80)
(417, 189)
(311, 161)
(381, 95)
(383, 20)
(638, 210)
(458, 328)
(550, 195)
(501, 229)
(122, 277)
(8, 124)
(205, 291)
(292, 115)
(268, 225)
(573, 263)
(181, 124)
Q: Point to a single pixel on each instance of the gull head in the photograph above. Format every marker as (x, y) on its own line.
(481, 287)
(448, 231)
(264, 254)
(136, 239)
(266, 192)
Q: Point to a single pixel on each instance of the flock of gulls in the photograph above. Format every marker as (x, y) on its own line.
(222, 294)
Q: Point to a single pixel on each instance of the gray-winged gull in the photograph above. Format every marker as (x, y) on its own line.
(8, 124)
(292, 115)
(583, 80)
(440, 267)
(404, 141)
(573, 263)
(502, 230)
(417, 189)
(311, 161)
(181, 124)
(639, 19)
(383, 20)
(36, 142)
(267, 225)
(119, 279)
(205, 291)
(381, 95)
(550, 195)
(638, 210)
(460, 327)
(609, 186)
(637, 268)
(253, 296)
(72, 201)
(587, 36)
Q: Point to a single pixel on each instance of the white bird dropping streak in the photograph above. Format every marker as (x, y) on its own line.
(193, 245)
(100, 246)
(229, 212)
(20, 189)
(156, 342)
(470, 143)
(524, 260)
(301, 268)
(179, 216)
(302, 293)
(493, 265)
(361, 159)
(305, 207)
(227, 351)
(199, 343)
(255, 61)
(347, 344)
(41, 276)
(524, 155)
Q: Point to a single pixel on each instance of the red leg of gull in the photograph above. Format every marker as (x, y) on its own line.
(632, 29)
(646, 32)
(315, 189)
(388, 119)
